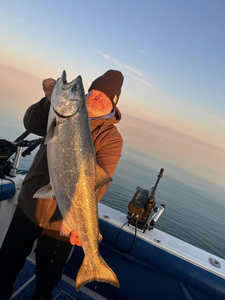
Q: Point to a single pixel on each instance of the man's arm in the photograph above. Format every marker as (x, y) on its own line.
(108, 156)
(36, 117)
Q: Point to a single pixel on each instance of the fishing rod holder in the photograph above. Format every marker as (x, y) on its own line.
(9, 165)
(15, 164)
(142, 205)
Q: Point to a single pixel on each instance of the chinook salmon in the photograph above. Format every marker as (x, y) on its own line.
(75, 176)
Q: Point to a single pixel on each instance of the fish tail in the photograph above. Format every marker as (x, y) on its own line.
(102, 273)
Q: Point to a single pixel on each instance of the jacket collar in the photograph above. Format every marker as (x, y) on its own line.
(114, 120)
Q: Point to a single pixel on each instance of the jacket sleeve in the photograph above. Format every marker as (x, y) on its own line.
(108, 156)
(36, 117)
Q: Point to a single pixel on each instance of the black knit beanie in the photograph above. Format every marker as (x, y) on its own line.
(109, 83)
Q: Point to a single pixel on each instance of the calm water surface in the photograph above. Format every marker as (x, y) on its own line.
(195, 208)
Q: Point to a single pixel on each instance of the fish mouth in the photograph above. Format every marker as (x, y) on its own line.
(60, 116)
(68, 97)
(65, 117)
(69, 85)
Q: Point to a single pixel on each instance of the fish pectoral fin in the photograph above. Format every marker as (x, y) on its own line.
(46, 192)
(65, 230)
(102, 177)
(103, 274)
(50, 133)
(100, 237)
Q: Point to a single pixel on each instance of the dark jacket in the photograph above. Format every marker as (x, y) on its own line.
(107, 143)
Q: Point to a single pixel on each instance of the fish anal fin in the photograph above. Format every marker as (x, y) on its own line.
(102, 177)
(102, 274)
(50, 133)
(65, 230)
(46, 192)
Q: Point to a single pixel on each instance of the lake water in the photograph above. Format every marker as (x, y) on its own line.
(195, 208)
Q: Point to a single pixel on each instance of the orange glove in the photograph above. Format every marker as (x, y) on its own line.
(74, 238)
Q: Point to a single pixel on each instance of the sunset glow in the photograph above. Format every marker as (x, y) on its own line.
(170, 52)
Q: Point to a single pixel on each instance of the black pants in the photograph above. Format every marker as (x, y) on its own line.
(51, 255)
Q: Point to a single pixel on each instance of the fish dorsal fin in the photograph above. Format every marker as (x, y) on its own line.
(50, 133)
(46, 192)
(102, 177)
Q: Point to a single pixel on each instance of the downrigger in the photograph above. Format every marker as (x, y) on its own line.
(141, 206)
(8, 163)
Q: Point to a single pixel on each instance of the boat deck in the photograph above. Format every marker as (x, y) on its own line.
(24, 286)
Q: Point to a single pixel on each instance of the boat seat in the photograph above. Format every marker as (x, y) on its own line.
(7, 190)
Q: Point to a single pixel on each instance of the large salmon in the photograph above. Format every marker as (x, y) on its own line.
(75, 176)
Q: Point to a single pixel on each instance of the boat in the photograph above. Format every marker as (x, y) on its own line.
(149, 263)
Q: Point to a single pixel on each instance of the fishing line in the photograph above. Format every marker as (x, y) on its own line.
(112, 247)
(135, 235)
(120, 250)
(124, 251)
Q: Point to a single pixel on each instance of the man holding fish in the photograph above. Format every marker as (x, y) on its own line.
(69, 175)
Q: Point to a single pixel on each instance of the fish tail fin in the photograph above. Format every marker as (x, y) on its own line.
(102, 273)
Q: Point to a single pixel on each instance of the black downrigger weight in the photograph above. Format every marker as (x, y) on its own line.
(141, 206)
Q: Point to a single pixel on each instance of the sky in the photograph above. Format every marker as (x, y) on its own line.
(171, 53)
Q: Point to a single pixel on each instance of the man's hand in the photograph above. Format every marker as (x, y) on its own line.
(48, 85)
(74, 238)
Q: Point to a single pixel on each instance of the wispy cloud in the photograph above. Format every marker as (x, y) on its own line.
(143, 51)
(119, 64)
(141, 81)
(136, 75)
